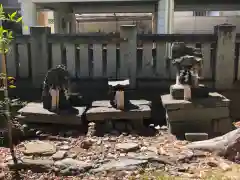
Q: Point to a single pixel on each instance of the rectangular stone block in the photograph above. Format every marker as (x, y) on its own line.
(198, 114)
(196, 136)
(214, 100)
(222, 126)
(35, 113)
(102, 110)
(180, 128)
(177, 92)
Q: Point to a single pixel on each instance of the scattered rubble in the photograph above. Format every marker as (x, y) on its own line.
(111, 157)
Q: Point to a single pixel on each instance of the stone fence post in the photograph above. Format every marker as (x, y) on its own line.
(128, 54)
(39, 54)
(225, 55)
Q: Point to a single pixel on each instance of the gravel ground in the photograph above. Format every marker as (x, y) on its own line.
(114, 156)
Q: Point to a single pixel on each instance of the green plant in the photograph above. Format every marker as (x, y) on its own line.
(6, 37)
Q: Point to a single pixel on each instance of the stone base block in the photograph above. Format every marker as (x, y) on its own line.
(204, 115)
(200, 92)
(222, 126)
(102, 110)
(180, 128)
(214, 100)
(177, 91)
(35, 113)
(198, 114)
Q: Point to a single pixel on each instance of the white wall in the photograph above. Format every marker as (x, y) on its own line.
(202, 24)
(184, 22)
(185, 25)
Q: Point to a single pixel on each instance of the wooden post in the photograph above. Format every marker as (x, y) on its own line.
(224, 74)
(128, 54)
(39, 54)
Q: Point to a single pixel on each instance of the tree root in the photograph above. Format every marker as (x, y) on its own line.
(227, 145)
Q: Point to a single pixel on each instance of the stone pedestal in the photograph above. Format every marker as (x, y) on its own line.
(209, 115)
(177, 91)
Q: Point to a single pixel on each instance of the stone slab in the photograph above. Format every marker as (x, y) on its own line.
(214, 100)
(106, 103)
(35, 113)
(106, 112)
(198, 114)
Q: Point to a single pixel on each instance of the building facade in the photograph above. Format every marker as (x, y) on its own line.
(168, 16)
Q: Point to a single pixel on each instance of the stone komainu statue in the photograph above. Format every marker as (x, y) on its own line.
(188, 61)
(55, 89)
(180, 49)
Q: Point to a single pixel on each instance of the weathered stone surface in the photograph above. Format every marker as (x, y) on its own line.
(106, 103)
(39, 148)
(126, 147)
(32, 164)
(222, 126)
(180, 128)
(198, 114)
(72, 164)
(106, 113)
(177, 91)
(122, 164)
(152, 157)
(34, 112)
(59, 155)
(214, 100)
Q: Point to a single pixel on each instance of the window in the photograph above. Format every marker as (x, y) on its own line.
(199, 13)
(50, 21)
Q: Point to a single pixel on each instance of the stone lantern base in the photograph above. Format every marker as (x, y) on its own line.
(203, 115)
(177, 91)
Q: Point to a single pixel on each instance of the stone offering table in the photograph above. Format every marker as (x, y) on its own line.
(35, 113)
(210, 115)
(103, 110)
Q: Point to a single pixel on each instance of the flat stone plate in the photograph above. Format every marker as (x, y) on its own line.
(214, 100)
(34, 112)
(102, 110)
